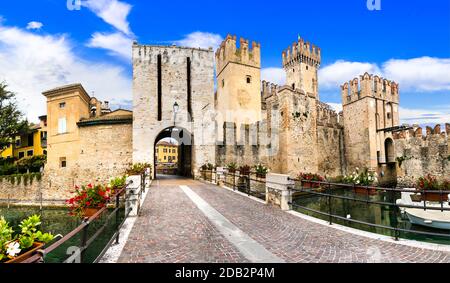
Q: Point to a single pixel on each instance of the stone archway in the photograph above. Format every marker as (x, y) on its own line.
(185, 151)
(389, 151)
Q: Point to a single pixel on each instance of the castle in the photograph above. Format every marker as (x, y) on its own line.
(242, 119)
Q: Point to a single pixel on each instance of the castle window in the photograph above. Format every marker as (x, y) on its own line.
(62, 126)
(62, 105)
(223, 83)
(63, 162)
(307, 68)
(389, 115)
(293, 70)
(293, 86)
(249, 79)
(30, 153)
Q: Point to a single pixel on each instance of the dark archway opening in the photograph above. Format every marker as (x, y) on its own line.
(389, 150)
(170, 138)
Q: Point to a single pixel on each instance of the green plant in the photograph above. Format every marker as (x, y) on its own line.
(118, 182)
(207, 167)
(6, 235)
(261, 171)
(232, 167)
(89, 196)
(402, 159)
(12, 245)
(138, 169)
(310, 177)
(364, 178)
(430, 182)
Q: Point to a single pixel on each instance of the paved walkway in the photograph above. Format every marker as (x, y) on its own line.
(190, 221)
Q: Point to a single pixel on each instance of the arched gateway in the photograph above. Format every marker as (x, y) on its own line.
(173, 96)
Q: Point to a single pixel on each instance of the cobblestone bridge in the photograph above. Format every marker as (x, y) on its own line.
(190, 221)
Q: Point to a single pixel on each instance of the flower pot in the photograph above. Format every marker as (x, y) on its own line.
(310, 185)
(435, 197)
(31, 252)
(89, 212)
(364, 191)
(260, 176)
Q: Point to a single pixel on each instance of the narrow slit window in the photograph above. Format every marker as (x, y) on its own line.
(189, 89)
(159, 89)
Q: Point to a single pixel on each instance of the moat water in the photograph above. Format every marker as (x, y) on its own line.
(371, 213)
(58, 221)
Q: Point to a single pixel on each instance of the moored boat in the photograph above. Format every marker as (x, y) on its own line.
(437, 219)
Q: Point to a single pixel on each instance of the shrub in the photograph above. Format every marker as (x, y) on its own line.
(118, 183)
(310, 177)
(430, 182)
(207, 167)
(365, 178)
(138, 169)
(261, 171)
(245, 170)
(232, 167)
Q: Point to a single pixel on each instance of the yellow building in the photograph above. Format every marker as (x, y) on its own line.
(33, 143)
(166, 152)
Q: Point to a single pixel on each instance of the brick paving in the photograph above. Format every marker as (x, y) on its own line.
(172, 229)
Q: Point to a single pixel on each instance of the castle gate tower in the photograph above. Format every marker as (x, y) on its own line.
(371, 115)
(173, 96)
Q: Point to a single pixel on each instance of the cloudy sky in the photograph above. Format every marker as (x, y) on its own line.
(48, 43)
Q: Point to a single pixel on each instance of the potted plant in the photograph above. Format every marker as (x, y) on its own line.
(430, 183)
(261, 171)
(232, 168)
(20, 247)
(118, 183)
(88, 200)
(309, 179)
(245, 170)
(361, 181)
(244, 177)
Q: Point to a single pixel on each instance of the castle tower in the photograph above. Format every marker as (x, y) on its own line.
(301, 61)
(370, 106)
(238, 70)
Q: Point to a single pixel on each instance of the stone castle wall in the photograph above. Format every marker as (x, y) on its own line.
(423, 154)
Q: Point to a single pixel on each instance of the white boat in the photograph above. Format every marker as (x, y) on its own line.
(430, 218)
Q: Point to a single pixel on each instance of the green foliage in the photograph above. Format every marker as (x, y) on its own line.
(207, 167)
(6, 235)
(118, 183)
(245, 170)
(29, 235)
(16, 179)
(31, 164)
(364, 178)
(430, 182)
(261, 170)
(12, 122)
(138, 169)
(402, 159)
(232, 167)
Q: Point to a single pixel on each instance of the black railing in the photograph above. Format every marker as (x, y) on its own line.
(249, 183)
(325, 190)
(115, 208)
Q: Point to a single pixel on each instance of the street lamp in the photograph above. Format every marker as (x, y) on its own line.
(176, 108)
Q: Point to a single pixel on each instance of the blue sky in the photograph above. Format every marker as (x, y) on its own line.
(47, 43)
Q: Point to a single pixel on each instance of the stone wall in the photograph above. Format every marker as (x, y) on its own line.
(29, 193)
(423, 154)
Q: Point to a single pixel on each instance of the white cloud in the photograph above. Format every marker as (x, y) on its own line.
(274, 75)
(424, 74)
(336, 74)
(201, 40)
(424, 116)
(35, 25)
(31, 64)
(335, 106)
(117, 43)
(113, 12)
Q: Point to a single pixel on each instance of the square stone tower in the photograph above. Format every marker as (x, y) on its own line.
(301, 61)
(173, 96)
(238, 73)
(370, 107)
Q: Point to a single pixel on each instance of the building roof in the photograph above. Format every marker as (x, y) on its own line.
(164, 143)
(65, 88)
(107, 120)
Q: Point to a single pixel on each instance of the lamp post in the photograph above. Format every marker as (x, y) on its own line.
(176, 108)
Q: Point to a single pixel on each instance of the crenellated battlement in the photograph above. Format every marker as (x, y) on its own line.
(302, 51)
(328, 117)
(268, 89)
(230, 52)
(369, 86)
(418, 132)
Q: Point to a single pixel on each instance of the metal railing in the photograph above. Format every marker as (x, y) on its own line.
(325, 190)
(83, 229)
(249, 183)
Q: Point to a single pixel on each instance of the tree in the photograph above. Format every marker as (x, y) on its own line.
(12, 122)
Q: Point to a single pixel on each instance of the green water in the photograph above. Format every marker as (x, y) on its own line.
(57, 221)
(372, 213)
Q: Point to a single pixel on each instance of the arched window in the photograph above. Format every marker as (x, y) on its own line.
(389, 150)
